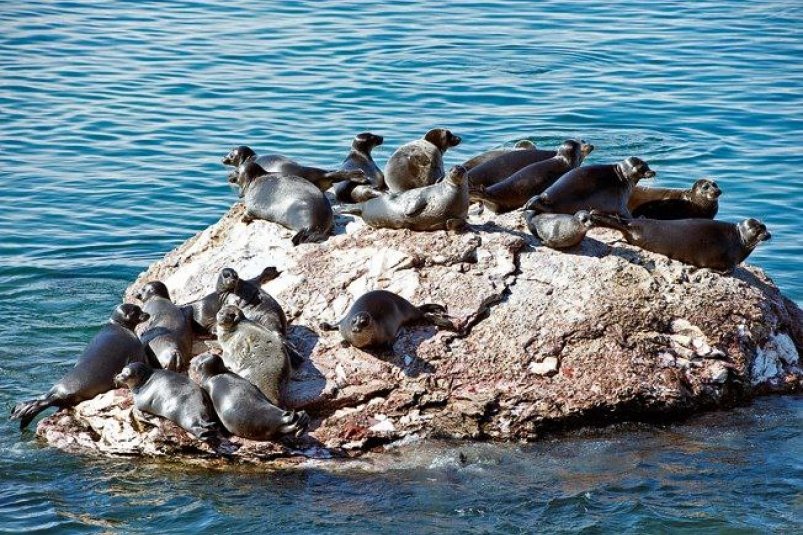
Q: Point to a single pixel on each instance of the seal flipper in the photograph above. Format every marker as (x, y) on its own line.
(415, 207)
(350, 210)
(309, 236)
(26, 411)
(294, 422)
(353, 175)
(538, 204)
(436, 314)
(326, 326)
(296, 359)
(613, 222)
(267, 275)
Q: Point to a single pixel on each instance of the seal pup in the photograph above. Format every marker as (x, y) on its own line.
(513, 192)
(167, 334)
(701, 201)
(289, 201)
(114, 346)
(702, 243)
(420, 162)
(275, 163)
(504, 165)
(559, 231)
(441, 206)
(172, 396)
(523, 144)
(253, 352)
(241, 407)
(376, 317)
(360, 158)
(604, 188)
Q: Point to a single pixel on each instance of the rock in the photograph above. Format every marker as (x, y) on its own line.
(551, 340)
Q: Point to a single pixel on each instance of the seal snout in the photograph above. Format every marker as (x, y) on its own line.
(360, 322)
(121, 378)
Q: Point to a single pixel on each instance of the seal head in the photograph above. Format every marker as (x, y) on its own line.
(633, 169)
(129, 316)
(442, 138)
(238, 155)
(152, 289)
(752, 232)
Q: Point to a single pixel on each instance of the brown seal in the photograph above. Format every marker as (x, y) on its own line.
(420, 162)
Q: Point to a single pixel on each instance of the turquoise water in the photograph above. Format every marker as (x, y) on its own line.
(113, 120)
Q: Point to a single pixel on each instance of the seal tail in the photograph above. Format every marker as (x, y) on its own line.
(538, 204)
(309, 236)
(294, 422)
(476, 192)
(436, 314)
(354, 209)
(354, 175)
(25, 412)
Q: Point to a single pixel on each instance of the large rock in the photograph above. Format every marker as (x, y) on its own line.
(551, 340)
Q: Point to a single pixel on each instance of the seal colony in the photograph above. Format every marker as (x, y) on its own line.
(241, 392)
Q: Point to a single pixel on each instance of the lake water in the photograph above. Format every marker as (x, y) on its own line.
(113, 120)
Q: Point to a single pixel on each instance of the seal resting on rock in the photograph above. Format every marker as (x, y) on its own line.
(420, 162)
(241, 407)
(360, 158)
(289, 201)
(504, 165)
(114, 346)
(172, 396)
(702, 243)
(376, 317)
(559, 231)
(167, 334)
(441, 206)
(701, 201)
(257, 304)
(523, 144)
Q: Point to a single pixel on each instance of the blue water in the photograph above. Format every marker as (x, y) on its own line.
(113, 120)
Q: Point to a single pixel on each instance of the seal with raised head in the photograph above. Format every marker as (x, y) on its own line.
(487, 156)
(253, 352)
(257, 304)
(172, 396)
(360, 158)
(699, 201)
(703, 243)
(289, 201)
(241, 407)
(559, 231)
(504, 165)
(376, 317)
(604, 188)
(275, 163)
(114, 346)
(167, 334)
(441, 206)
(420, 162)
(513, 192)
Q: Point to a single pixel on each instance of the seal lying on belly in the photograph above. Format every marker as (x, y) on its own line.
(559, 231)
(501, 167)
(442, 206)
(360, 158)
(172, 396)
(241, 407)
(289, 201)
(604, 188)
(275, 163)
(702, 243)
(487, 156)
(110, 350)
(376, 317)
(700, 201)
(513, 192)
(167, 334)
(420, 162)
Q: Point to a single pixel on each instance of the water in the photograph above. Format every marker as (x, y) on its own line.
(114, 117)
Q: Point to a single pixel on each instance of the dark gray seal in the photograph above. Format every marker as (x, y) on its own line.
(172, 396)
(701, 201)
(513, 192)
(241, 407)
(604, 188)
(441, 206)
(376, 317)
(167, 334)
(702, 243)
(504, 165)
(487, 156)
(559, 231)
(275, 163)
(114, 346)
(289, 201)
(257, 304)
(360, 158)
(420, 162)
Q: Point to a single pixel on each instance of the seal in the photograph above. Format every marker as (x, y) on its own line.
(513, 192)
(703, 243)
(376, 317)
(360, 158)
(241, 407)
(172, 396)
(441, 206)
(420, 162)
(559, 231)
(253, 352)
(604, 188)
(114, 346)
(257, 304)
(167, 334)
(289, 201)
(504, 165)
(275, 163)
(487, 156)
(699, 201)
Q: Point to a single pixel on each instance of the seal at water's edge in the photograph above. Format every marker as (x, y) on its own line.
(241, 407)
(167, 334)
(170, 395)
(517, 189)
(360, 158)
(289, 201)
(420, 162)
(700, 201)
(376, 317)
(604, 188)
(522, 144)
(114, 346)
(441, 206)
(702, 243)
(504, 165)
(558, 231)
